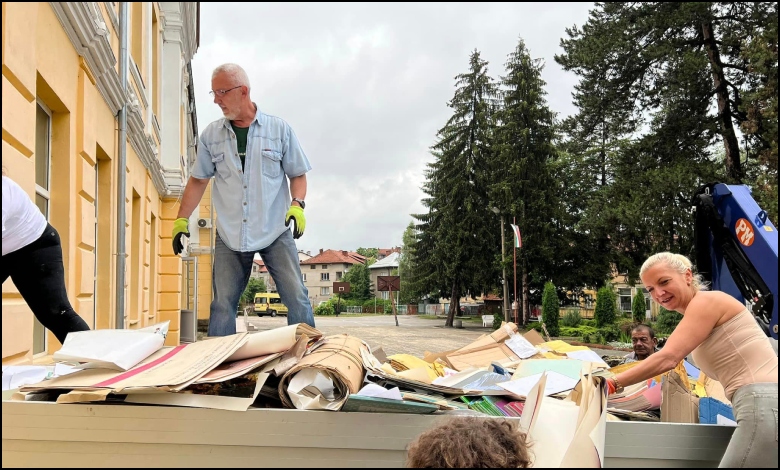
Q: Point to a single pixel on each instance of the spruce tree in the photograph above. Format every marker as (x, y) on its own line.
(458, 235)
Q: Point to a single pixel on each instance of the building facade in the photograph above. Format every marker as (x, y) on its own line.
(62, 99)
(323, 269)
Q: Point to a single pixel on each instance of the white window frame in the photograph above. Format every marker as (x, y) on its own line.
(324, 276)
(45, 193)
(621, 295)
(324, 290)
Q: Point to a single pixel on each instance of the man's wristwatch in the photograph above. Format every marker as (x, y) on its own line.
(300, 201)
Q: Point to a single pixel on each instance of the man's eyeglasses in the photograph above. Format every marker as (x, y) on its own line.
(222, 92)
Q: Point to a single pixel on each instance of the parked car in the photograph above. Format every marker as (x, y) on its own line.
(269, 303)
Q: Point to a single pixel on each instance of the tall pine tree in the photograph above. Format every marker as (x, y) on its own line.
(521, 183)
(635, 52)
(458, 233)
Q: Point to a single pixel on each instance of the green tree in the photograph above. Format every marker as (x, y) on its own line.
(458, 234)
(667, 321)
(760, 108)
(639, 307)
(633, 56)
(521, 182)
(550, 309)
(255, 285)
(359, 279)
(411, 290)
(606, 307)
(663, 87)
(369, 253)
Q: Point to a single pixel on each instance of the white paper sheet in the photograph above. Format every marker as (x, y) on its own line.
(724, 421)
(377, 391)
(521, 346)
(18, 376)
(556, 383)
(112, 349)
(554, 427)
(588, 355)
(312, 389)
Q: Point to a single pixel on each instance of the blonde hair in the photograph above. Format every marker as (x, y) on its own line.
(677, 262)
(235, 72)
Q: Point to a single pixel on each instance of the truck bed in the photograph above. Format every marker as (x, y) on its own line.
(37, 434)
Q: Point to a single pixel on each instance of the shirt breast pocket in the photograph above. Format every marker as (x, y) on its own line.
(218, 159)
(272, 163)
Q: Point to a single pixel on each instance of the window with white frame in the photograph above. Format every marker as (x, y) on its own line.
(324, 276)
(647, 298)
(42, 193)
(624, 299)
(324, 290)
(304, 277)
(324, 266)
(385, 295)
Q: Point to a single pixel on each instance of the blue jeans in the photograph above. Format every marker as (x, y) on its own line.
(231, 275)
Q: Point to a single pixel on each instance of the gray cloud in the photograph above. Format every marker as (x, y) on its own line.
(365, 87)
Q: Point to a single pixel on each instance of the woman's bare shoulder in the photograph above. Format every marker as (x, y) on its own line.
(716, 302)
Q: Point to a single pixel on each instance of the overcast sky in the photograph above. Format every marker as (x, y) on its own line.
(365, 87)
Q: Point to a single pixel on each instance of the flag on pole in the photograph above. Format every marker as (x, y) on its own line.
(518, 240)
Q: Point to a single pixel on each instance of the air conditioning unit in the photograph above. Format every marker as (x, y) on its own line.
(204, 223)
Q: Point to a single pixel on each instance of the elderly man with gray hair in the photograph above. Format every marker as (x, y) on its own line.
(251, 156)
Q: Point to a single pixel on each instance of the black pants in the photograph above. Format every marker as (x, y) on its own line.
(38, 273)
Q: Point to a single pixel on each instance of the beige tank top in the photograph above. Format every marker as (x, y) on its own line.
(737, 353)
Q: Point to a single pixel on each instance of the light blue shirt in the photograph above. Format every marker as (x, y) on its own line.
(250, 204)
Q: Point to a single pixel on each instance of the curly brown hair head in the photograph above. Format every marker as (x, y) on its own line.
(470, 442)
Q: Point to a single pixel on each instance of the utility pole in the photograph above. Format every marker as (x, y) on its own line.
(503, 266)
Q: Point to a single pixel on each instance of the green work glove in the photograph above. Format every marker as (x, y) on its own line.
(296, 215)
(180, 227)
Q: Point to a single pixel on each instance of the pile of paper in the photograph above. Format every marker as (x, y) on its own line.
(204, 373)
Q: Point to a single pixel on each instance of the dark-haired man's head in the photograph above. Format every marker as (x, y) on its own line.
(644, 341)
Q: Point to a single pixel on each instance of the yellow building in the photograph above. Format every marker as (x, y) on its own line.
(63, 101)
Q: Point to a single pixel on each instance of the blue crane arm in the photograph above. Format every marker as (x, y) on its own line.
(736, 249)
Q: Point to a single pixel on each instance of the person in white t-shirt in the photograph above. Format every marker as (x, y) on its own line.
(32, 258)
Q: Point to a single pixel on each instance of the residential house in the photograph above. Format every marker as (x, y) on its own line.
(384, 267)
(382, 253)
(260, 271)
(62, 95)
(323, 269)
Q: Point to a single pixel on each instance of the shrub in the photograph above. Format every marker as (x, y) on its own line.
(667, 321)
(571, 318)
(589, 322)
(586, 338)
(605, 307)
(550, 309)
(325, 309)
(497, 319)
(639, 307)
(625, 325)
(534, 325)
(610, 333)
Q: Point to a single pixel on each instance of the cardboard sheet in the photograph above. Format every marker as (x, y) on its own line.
(274, 341)
(172, 368)
(678, 404)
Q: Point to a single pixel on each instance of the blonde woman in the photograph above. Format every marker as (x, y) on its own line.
(727, 344)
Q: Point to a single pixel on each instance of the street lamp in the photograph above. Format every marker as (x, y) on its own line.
(503, 266)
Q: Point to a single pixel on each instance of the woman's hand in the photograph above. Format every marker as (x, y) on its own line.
(611, 387)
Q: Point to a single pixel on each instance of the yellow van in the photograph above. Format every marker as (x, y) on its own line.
(269, 303)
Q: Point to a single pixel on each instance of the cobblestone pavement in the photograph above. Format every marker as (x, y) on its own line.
(414, 335)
